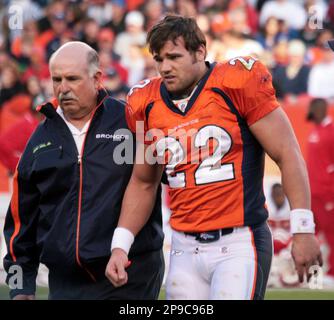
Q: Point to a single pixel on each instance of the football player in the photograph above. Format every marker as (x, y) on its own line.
(208, 126)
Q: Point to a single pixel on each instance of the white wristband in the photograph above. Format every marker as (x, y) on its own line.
(301, 221)
(123, 239)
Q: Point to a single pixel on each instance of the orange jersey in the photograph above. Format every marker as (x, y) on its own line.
(214, 164)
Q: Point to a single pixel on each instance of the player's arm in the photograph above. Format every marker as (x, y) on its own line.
(137, 205)
(140, 194)
(275, 134)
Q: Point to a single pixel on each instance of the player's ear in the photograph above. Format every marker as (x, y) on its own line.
(201, 53)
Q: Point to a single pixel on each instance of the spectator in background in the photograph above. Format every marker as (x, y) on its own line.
(134, 4)
(282, 270)
(100, 11)
(246, 17)
(105, 40)
(59, 27)
(321, 80)
(10, 83)
(292, 79)
(13, 110)
(186, 8)
(109, 60)
(150, 70)
(280, 52)
(153, 11)
(56, 7)
(13, 140)
(274, 31)
(237, 44)
(316, 52)
(75, 16)
(5, 60)
(290, 11)
(117, 23)
(279, 217)
(320, 163)
(37, 67)
(330, 14)
(250, 12)
(23, 45)
(134, 62)
(269, 34)
(114, 84)
(90, 33)
(219, 24)
(237, 40)
(35, 91)
(215, 48)
(134, 35)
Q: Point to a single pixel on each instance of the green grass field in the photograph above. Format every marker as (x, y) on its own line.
(277, 294)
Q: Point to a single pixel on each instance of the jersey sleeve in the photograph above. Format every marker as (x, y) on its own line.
(136, 103)
(133, 115)
(255, 95)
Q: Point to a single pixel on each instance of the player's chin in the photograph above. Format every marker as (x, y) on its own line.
(173, 88)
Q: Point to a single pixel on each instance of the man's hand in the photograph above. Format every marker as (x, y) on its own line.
(306, 253)
(115, 270)
(24, 297)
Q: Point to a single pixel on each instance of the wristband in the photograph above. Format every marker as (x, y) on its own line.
(123, 239)
(301, 221)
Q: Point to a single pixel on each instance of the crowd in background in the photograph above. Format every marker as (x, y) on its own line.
(290, 37)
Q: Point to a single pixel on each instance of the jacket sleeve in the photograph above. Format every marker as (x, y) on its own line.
(22, 259)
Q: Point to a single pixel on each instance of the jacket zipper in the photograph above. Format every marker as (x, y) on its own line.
(80, 164)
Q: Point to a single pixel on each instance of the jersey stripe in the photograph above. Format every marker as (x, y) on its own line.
(255, 266)
(14, 207)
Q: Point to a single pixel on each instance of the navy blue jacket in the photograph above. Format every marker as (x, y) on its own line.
(64, 209)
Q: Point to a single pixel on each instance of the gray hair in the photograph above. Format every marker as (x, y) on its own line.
(93, 62)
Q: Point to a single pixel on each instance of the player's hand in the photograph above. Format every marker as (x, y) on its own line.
(117, 264)
(305, 253)
(24, 297)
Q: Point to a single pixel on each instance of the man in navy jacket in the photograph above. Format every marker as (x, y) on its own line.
(68, 189)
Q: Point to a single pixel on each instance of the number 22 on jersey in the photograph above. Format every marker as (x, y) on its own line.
(210, 169)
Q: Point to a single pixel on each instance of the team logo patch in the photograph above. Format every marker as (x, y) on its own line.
(113, 137)
(206, 237)
(41, 146)
(177, 252)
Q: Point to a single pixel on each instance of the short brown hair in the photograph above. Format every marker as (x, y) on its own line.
(172, 27)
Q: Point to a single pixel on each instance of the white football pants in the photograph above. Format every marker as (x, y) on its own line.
(234, 267)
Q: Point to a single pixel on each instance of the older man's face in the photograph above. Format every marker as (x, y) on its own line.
(75, 89)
